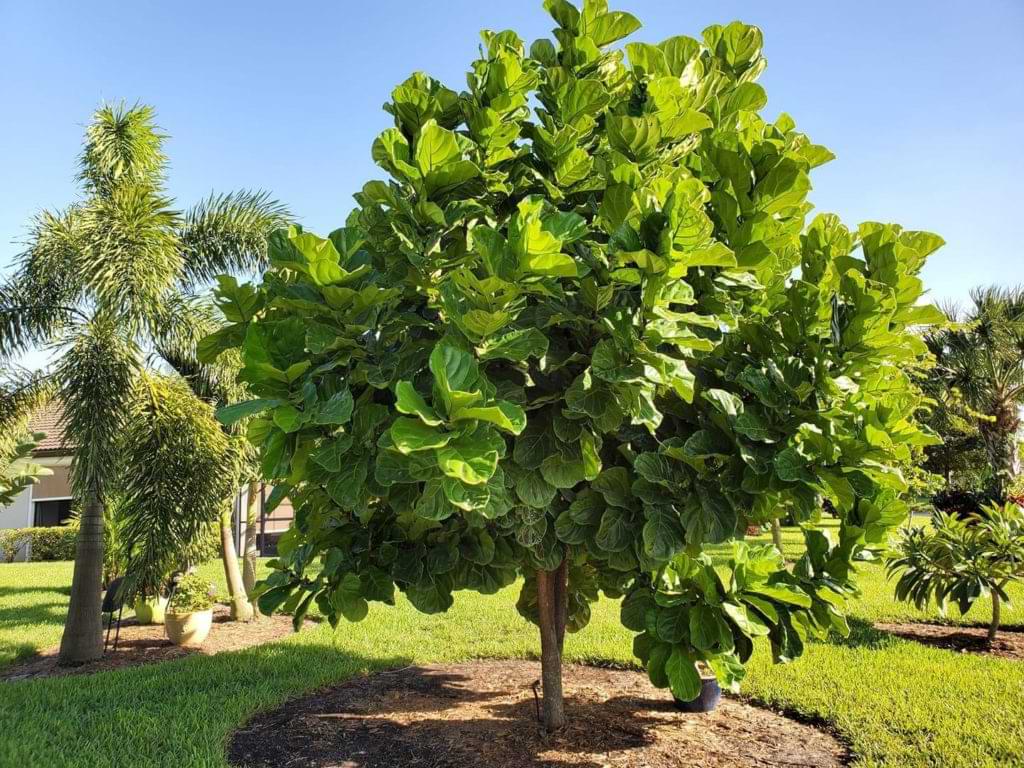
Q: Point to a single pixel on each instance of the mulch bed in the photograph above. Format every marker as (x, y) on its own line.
(1009, 643)
(147, 644)
(484, 714)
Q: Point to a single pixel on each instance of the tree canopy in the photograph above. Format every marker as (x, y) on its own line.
(584, 325)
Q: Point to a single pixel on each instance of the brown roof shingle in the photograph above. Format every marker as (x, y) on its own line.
(48, 419)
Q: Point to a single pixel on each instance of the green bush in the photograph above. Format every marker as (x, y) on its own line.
(47, 544)
(193, 593)
(960, 559)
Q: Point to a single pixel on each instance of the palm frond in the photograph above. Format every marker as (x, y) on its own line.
(122, 145)
(181, 476)
(22, 391)
(227, 234)
(95, 378)
(44, 293)
(185, 321)
(132, 256)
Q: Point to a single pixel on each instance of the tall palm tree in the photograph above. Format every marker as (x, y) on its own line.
(97, 282)
(983, 358)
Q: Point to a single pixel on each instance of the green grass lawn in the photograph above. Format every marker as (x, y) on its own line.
(895, 702)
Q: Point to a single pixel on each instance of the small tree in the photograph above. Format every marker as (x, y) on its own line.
(962, 559)
(580, 335)
(98, 282)
(175, 487)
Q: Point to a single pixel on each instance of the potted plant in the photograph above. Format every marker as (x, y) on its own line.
(709, 696)
(190, 611)
(150, 609)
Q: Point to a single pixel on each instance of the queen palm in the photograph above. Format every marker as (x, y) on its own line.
(97, 283)
(983, 358)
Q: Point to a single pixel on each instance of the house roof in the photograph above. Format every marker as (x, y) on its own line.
(48, 419)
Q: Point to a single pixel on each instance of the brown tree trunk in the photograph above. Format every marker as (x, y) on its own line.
(249, 550)
(993, 627)
(241, 608)
(83, 629)
(551, 597)
(777, 534)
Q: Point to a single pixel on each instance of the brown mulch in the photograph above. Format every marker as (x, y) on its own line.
(147, 644)
(1009, 643)
(484, 714)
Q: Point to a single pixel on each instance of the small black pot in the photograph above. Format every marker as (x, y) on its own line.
(707, 700)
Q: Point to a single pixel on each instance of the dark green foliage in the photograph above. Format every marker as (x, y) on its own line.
(46, 544)
(597, 330)
(171, 493)
(960, 559)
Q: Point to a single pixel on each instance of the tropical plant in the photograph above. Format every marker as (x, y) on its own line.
(96, 283)
(962, 559)
(53, 542)
(982, 359)
(176, 485)
(580, 335)
(216, 382)
(17, 469)
(192, 593)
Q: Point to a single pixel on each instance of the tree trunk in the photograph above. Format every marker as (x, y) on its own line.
(1000, 443)
(241, 608)
(551, 602)
(249, 551)
(777, 534)
(83, 629)
(993, 627)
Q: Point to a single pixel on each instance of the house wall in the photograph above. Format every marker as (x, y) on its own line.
(18, 514)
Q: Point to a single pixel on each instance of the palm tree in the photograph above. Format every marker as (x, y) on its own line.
(96, 283)
(175, 484)
(982, 357)
(216, 382)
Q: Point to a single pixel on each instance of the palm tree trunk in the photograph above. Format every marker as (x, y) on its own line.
(249, 551)
(241, 608)
(83, 630)
(551, 604)
(1000, 443)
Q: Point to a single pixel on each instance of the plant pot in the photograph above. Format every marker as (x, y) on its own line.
(707, 700)
(150, 610)
(188, 629)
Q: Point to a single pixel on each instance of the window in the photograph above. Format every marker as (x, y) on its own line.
(52, 512)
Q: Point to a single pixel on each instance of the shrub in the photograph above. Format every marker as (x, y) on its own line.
(193, 593)
(47, 543)
(961, 559)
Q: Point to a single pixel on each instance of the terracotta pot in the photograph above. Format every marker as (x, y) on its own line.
(150, 610)
(188, 629)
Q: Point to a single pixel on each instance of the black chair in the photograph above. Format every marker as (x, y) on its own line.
(113, 601)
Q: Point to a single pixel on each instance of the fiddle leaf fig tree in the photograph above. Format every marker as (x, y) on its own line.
(582, 332)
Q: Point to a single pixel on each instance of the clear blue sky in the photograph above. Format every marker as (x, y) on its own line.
(922, 101)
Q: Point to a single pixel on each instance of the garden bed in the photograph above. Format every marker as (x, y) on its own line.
(485, 714)
(1009, 644)
(147, 644)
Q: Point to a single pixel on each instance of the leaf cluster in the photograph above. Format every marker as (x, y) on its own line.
(585, 318)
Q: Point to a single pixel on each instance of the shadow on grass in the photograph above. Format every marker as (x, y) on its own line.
(194, 702)
(7, 592)
(863, 635)
(40, 613)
